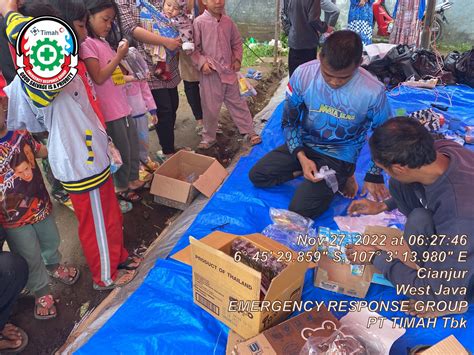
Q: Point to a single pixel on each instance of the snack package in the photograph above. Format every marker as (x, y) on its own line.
(333, 243)
(347, 340)
(246, 89)
(290, 229)
(259, 260)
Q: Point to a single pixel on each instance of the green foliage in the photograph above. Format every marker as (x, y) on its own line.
(252, 52)
(445, 48)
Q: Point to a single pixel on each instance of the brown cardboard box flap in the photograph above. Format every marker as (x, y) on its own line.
(212, 178)
(216, 239)
(448, 346)
(170, 188)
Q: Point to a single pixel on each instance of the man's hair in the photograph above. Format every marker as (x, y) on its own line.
(404, 141)
(342, 49)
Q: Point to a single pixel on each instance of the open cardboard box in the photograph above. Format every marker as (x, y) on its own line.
(447, 346)
(291, 336)
(219, 279)
(205, 175)
(338, 277)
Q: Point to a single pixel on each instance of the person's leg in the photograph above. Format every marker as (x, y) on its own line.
(117, 130)
(420, 223)
(100, 232)
(174, 97)
(331, 12)
(143, 137)
(24, 241)
(49, 239)
(405, 195)
(212, 97)
(191, 89)
(166, 116)
(13, 277)
(238, 109)
(296, 57)
(276, 167)
(132, 139)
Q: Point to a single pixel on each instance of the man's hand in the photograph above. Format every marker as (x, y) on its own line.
(378, 191)
(308, 166)
(361, 254)
(366, 207)
(206, 69)
(172, 43)
(236, 66)
(8, 5)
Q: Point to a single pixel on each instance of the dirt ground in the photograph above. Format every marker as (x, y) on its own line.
(141, 227)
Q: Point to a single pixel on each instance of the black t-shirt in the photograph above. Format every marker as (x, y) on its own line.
(6, 62)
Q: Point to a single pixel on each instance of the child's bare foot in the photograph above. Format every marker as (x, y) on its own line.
(351, 187)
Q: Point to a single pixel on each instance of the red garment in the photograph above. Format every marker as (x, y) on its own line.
(100, 231)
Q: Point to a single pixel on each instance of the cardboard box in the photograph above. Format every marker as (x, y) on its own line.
(288, 337)
(339, 278)
(219, 279)
(182, 177)
(448, 346)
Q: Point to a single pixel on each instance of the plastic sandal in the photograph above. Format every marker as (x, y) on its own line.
(124, 278)
(130, 260)
(125, 206)
(46, 302)
(253, 139)
(19, 349)
(62, 274)
(206, 145)
(129, 196)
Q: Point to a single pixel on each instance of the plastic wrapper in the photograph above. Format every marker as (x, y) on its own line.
(114, 156)
(295, 240)
(259, 260)
(246, 89)
(355, 339)
(136, 64)
(357, 224)
(333, 243)
(329, 175)
(290, 220)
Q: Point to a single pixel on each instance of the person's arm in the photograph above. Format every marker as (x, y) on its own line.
(148, 97)
(197, 57)
(15, 22)
(90, 55)
(130, 18)
(237, 49)
(39, 149)
(314, 16)
(378, 113)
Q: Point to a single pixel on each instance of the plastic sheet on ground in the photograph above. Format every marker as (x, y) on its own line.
(160, 316)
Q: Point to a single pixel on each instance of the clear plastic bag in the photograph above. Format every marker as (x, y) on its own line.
(114, 156)
(290, 229)
(355, 339)
(136, 64)
(329, 175)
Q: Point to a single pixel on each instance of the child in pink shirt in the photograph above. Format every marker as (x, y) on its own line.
(102, 63)
(218, 56)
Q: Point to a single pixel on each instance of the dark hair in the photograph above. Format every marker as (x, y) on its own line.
(342, 49)
(17, 159)
(67, 10)
(96, 6)
(404, 141)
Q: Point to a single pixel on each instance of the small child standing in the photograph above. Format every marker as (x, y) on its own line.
(25, 213)
(102, 63)
(218, 56)
(171, 22)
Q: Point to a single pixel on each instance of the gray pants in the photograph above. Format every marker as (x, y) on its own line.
(124, 135)
(419, 219)
(331, 12)
(38, 244)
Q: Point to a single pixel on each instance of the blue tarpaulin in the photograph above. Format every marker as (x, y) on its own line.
(161, 318)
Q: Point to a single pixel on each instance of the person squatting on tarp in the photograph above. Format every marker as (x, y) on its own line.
(330, 105)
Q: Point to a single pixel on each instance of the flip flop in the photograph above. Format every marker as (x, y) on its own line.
(206, 145)
(48, 303)
(253, 139)
(123, 274)
(125, 206)
(130, 260)
(23, 345)
(62, 274)
(129, 195)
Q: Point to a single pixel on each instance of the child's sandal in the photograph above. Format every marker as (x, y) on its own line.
(253, 139)
(63, 274)
(203, 145)
(45, 302)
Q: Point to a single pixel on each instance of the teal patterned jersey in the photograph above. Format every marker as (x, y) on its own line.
(334, 122)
